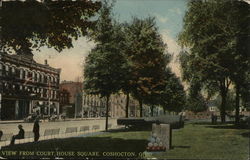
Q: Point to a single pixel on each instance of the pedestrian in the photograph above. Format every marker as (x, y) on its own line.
(20, 135)
(212, 117)
(1, 134)
(215, 119)
(36, 128)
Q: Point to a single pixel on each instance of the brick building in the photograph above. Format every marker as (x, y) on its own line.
(64, 96)
(27, 87)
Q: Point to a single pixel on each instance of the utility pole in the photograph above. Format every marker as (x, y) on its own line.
(49, 96)
(75, 104)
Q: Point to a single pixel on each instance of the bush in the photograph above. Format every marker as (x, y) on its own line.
(176, 121)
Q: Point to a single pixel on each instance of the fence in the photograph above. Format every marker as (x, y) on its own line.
(51, 134)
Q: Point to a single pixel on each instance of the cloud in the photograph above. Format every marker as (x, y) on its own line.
(174, 49)
(248, 1)
(175, 11)
(162, 19)
(69, 60)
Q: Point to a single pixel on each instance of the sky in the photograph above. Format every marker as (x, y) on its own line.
(168, 13)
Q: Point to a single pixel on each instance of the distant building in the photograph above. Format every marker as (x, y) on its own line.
(64, 96)
(85, 105)
(118, 106)
(74, 90)
(95, 106)
(27, 87)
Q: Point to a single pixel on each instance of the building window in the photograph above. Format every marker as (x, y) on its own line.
(25, 74)
(13, 70)
(17, 72)
(42, 93)
(49, 79)
(6, 70)
(38, 77)
(30, 75)
(56, 94)
(45, 79)
(42, 78)
(21, 73)
(33, 76)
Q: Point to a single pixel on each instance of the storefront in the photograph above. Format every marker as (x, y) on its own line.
(12, 109)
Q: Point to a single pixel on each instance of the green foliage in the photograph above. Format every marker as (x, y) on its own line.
(105, 64)
(174, 97)
(211, 37)
(245, 91)
(230, 103)
(28, 25)
(213, 30)
(145, 52)
(196, 101)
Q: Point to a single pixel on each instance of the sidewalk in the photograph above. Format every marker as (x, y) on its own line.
(67, 119)
(12, 121)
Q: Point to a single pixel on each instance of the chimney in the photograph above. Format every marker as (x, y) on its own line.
(46, 62)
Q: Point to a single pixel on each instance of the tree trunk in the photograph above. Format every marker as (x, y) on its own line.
(223, 106)
(127, 104)
(164, 111)
(237, 105)
(107, 113)
(224, 85)
(152, 111)
(140, 103)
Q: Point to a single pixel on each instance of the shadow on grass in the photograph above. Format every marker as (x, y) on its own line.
(218, 125)
(246, 134)
(132, 128)
(221, 126)
(210, 123)
(86, 144)
(173, 147)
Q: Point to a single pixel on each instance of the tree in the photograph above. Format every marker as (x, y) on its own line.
(245, 92)
(240, 26)
(196, 102)
(210, 37)
(28, 25)
(145, 51)
(230, 100)
(104, 66)
(126, 82)
(174, 97)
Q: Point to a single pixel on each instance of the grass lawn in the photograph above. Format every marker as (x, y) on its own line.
(194, 141)
(198, 141)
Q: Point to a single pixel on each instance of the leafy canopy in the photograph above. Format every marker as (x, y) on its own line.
(28, 25)
(105, 64)
(145, 51)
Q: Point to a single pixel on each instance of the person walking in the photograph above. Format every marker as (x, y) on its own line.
(20, 135)
(36, 129)
(1, 134)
